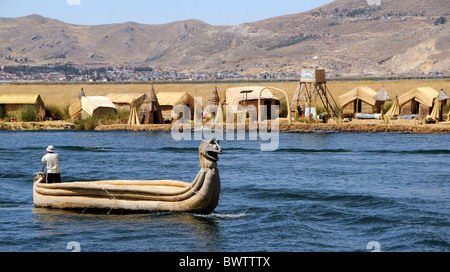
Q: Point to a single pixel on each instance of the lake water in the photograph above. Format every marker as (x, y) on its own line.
(317, 192)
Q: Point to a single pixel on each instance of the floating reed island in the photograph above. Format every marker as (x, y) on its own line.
(142, 107)
(363, 126)
(357, 126)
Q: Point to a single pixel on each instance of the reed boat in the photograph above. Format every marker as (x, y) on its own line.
(200, 196)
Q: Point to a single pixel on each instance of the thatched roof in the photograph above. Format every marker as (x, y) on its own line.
(443, 96)
(363, 93)
(126, 98)
(75, 108)
(152, 94)
(149, 107)
(424, 95)
(175, 98)
(214, 98)
(382, 96)
(90, 104)
(20, 99)
(213, 102)
(233, 96)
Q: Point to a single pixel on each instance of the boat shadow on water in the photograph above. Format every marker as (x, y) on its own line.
(91, 218)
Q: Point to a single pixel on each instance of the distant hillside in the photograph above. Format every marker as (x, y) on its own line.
(345, 37)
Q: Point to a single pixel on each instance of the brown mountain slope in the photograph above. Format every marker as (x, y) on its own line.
(345, 37)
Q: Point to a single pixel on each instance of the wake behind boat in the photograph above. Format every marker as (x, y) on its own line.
(201, 196)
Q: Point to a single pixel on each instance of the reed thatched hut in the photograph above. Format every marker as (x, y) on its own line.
(150, 111)
(212, 103)
(214, 98)
(169, 100)
(247, 96)
(11, 103)
(444, 98)
(125, 100)
(90, 106)
(380, 99)
(439, 104)
(358, 100)
(418, 101)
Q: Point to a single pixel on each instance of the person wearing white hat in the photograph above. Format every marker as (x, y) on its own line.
(52, 161)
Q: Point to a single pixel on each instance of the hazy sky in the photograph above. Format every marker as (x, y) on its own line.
(94, 12)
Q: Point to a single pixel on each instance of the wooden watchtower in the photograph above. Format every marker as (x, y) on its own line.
(313, 87)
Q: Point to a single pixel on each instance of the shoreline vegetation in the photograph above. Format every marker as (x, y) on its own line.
(58, 98)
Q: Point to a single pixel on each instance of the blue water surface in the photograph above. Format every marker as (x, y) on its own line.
(318, 192)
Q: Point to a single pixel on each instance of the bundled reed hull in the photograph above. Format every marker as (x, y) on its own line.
(200, 196)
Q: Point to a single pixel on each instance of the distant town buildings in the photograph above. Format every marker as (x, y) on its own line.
(130, 74)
